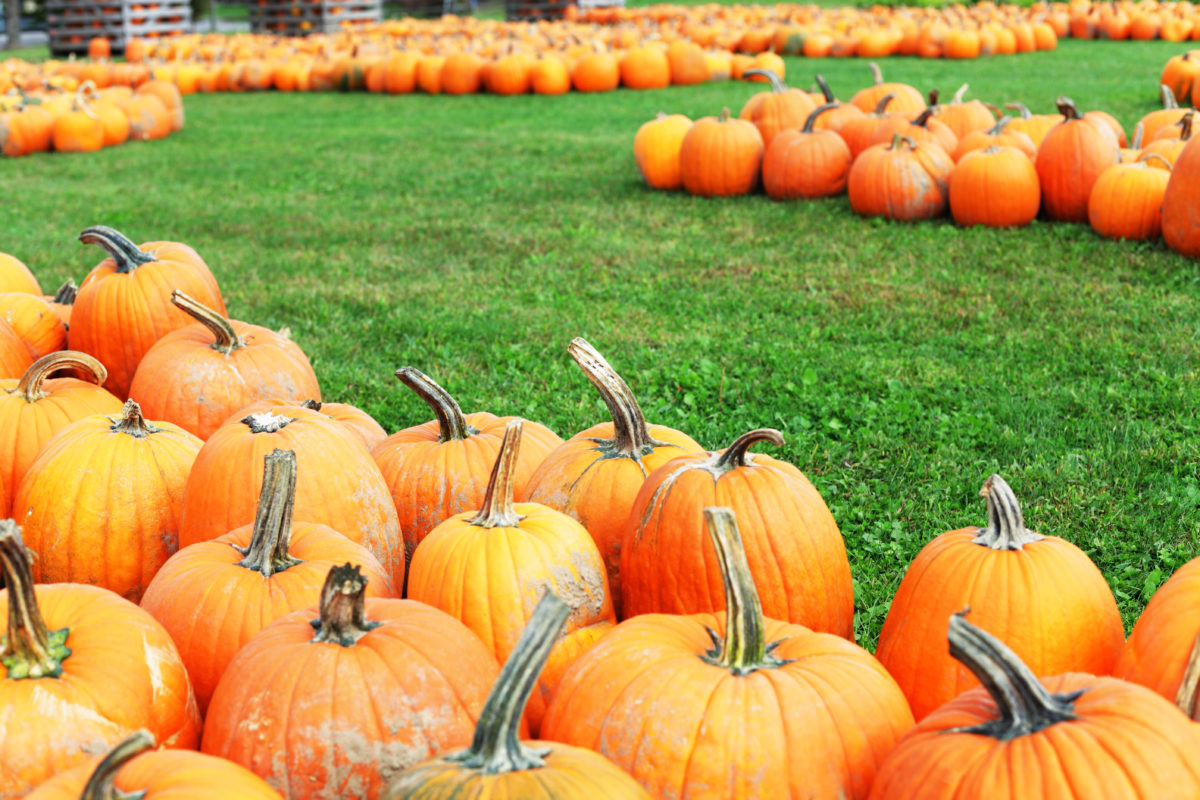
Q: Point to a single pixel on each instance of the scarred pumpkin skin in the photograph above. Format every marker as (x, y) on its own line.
(122, 673)
(35, 321)
(905, 181)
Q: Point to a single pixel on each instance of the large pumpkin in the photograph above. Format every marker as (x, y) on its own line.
(806, 162)
(487, 568)
(997, 187)
(498, 764)
(778, 109)
(1069, 162)
(1072, 736)
(904, 180)
(731, 705)
(80, 668)
(595, 475)
(1020, 584)
(720, 156)
(1181, 202)
(792, 543)
(213, 596)
(329, 702)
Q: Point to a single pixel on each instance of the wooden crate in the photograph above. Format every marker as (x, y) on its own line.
(530, 10)
(302, 17)
(427, 9)
(72, 23)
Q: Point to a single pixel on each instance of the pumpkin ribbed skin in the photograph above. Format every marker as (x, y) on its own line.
(793, 545)
(338, 483)
(123, 309)
(16, 277)
(908, 99)
(197, 380)
(35, 321)
(720, 157)
(1021, 596)
(123, 673)
(15, 354)
(778, 109)
(1165, 633)
(101, 502)
(1181, 202)
(904, 181)
(34, 408)
(806, 162)
(996, 136)
(1069, 162)
(489, 568)
(319, 719)
(1126, 202)
(656, 149)
(997, 187)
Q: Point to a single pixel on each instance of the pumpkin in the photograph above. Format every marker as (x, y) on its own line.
(997, 187)
(1035, 126)
(645, 67)
(656, 150)
(595, 475)
(133, 769)
(964, 117)
(123, 306)
(112, 119)
(1169, 114)
(354, 419)
(100, 503)
(82, 669)
(1126, 202)
(80, 129)
(338, 482)
(1070, 160)
(149, 118)
(905, 180)
(197, 376)
(549, 75)
(839, 114)
(732, 704)
(1072, 736)
(720, 156)
(1181, 202)
(1169, 143)
(35, 407)
(907, 98)
(997, 136)
(35, 321)
(487, 567)
(1022, 585)
(440, 468)
(498, 763)
(16, 277)
(777, 109)
(15, 353)
(808, 162)
(168, 93)
(924, 128)
(858, 132)
(329, 702)
(213, 596)
(596, 72)
(1180, 73)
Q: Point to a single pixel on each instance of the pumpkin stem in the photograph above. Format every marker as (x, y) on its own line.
(812, 118)
(1006, 526)
(1167, 165)
(777, 84)
(30, 385)
(735, 455)
(897, 139)
(451, 422)
(29, 649)
(65, 296)
(1025, 705)
(497, 510)
(343, 617)
(1185, 125)
(1020, 108)
(132, 422)
(497, 747)
(266, 422)
(876, 73)
(268, 549)
(962, 90)
(1187, 698)
(100, 784)
(125, 253)
(923, 118)
(1168, 96)
(1066, 107)
(631, 437)
(1138, 133)
(724, 115)
(227, 339)
(825, 90)
(881, 106)
(744, 648)
(934, 95)
(996, 129)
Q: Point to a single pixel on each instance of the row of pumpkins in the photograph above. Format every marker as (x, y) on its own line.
(87, 119)
(268, 537)
(898, 157)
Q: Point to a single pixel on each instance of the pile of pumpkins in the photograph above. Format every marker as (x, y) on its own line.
(205, 555)
(83, 118)
(902, 157)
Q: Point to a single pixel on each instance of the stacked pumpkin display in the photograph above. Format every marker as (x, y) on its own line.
(673, 621)
(898, 157)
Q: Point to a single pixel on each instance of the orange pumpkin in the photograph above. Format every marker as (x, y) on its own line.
(656, 150)
(1181, 202)
(997, 187)
(905, 180)
(1126, 202)
(720, 156)
(35, 321)
(777, 109)
(16, 277)
(908, 99)
(1070, 160)
(807, 162)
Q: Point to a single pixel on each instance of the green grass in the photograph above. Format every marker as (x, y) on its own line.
(472, 237)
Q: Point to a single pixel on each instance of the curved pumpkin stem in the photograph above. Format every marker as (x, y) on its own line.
(881, 106)
(1188, 696)
(777, 84)
(497, 747)
(65, 296)
(1066, 107)
(100, 785)
(497, 511)
(897, 140)
(825, 90)
(1006, 526)
(744, 648)
(1021, 109)
(734, 456)
(923, 118)
(934, 95)
(132, 422)
(812, 118)
(724, 115)
(1168, 96)
(451, 422)
(876, 73)
(1167, 165)
(1026, 706)
(998, 128)
(958, 96)
(31, 383)
(227, 339)
(343, 617)
(81, 98)
(30, 649)
(127, 254)
(268, 549)
(1138, 133)
(631, 437)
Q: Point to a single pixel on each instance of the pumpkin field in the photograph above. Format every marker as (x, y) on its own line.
(476, 238)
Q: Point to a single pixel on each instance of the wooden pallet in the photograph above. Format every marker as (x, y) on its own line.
(530, 10)
(302, 17)
(72, 23)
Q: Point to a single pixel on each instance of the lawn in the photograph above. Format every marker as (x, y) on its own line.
(473, 237)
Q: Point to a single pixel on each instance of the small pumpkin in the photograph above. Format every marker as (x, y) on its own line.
(965, 117)
(656, 149)
(720, 156)
(807, 162)
(997, 136)
(1126, 202)
(777, 109)
(35, 321)
(907, 98)
(997, 187)
(1169, 114)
